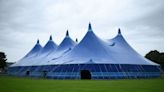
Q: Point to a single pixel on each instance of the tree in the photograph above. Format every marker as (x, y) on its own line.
(156, 57)
(2, 61)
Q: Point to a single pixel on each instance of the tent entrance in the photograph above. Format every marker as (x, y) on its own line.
(27, 73)
(85, 74)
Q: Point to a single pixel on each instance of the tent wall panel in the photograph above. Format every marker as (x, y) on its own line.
(97, 71)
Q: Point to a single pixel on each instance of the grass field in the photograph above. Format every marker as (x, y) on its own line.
(15, 84)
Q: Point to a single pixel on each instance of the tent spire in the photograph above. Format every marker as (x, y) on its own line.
(50, 37)
(119, 31)
(38, 41)
(89, 27)
(67, 33)
(76, 40)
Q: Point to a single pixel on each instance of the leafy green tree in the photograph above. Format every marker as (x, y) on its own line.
(156, 57)
(2, 60)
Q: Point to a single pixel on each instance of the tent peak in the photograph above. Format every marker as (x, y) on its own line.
(50, 37)
(67, 33)
(89, 27)
(38, 41)
(76, 40)
(119, 31)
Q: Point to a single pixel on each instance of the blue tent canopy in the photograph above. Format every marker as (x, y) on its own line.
(91, 58)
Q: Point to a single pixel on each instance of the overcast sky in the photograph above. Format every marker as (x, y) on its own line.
(22, 22)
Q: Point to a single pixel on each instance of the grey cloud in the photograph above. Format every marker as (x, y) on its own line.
(23, 21)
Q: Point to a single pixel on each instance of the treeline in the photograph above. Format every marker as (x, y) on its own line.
(3, 60)
(156, 57)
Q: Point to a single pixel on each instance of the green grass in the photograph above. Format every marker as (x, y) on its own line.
(15, 84)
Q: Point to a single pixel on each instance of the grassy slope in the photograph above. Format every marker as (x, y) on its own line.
(14, 84)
